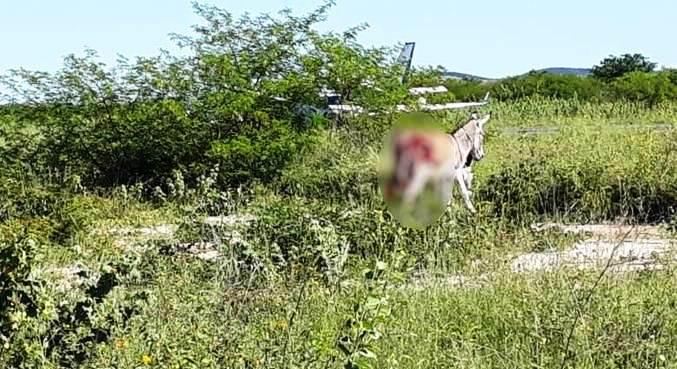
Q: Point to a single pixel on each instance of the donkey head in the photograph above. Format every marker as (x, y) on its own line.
(478, 135)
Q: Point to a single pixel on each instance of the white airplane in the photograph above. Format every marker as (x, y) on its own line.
(406, 55)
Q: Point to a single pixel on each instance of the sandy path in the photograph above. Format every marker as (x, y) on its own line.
(623, 248)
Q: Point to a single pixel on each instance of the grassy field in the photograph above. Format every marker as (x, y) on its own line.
(310, 271)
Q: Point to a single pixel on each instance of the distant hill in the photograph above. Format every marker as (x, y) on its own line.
(583, 72)
(458, 75)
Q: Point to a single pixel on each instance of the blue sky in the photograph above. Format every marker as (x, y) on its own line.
(492, 38)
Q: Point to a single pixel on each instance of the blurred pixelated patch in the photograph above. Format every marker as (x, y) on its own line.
(430, 203)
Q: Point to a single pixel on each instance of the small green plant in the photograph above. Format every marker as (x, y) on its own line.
(19, 293)
(370, 314)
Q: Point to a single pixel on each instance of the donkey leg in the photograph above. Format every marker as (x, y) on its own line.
(468, 178)
(464, 191)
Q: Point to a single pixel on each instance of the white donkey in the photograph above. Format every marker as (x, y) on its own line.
(438, 157)
(469, 142)
(467, 172)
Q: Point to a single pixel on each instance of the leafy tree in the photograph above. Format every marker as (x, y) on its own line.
(614, 67)
(426, 76)
(231, 101)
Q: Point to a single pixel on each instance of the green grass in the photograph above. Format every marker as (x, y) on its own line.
(524, 322)
(282, 298)
(544, 112)
(517, 321)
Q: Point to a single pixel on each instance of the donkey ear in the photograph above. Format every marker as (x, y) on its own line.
(486, 119)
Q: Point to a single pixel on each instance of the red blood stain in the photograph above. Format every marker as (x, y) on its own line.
(418, 149)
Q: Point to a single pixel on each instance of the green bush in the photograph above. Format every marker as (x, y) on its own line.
(651, 88)
(468, 90)
(640, 86)
(548, 85)
(19, 292)
(642, 190)
(336, 171)
(261, 155)
(233, 101)
(40, 325)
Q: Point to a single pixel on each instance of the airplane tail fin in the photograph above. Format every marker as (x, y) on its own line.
(405, 58)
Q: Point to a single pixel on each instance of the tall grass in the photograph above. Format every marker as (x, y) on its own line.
(586, 173)
(541, 111)
(315, 269)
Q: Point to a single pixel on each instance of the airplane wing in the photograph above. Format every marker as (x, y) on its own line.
(458, 105)
(427, 90)
(345, 108)
(449, 106)
(356, 110)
